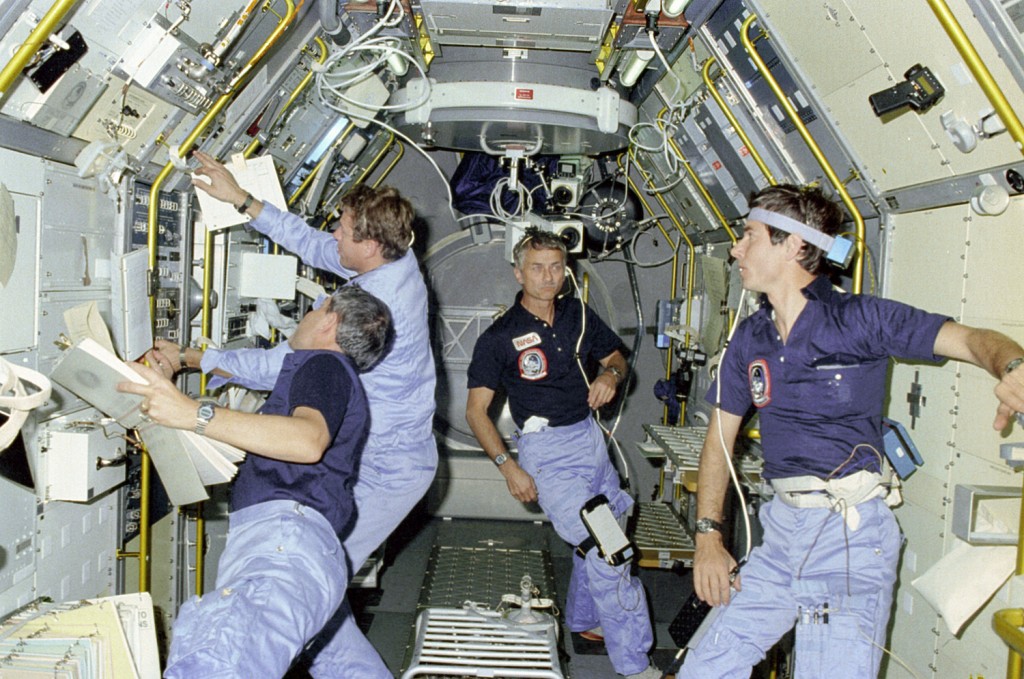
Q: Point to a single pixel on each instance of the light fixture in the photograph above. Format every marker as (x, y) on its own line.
(635, 65)
(673, 8)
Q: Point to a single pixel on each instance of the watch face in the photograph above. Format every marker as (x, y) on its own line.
(707, 525)
(206, 411)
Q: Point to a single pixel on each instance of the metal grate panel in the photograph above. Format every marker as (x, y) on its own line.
(482, 575)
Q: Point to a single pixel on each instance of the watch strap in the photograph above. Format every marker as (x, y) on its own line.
(246, 204)
(706, 525)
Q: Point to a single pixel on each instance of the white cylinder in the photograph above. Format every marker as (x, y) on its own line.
(673, 8)
(635, 65)
(398, 64)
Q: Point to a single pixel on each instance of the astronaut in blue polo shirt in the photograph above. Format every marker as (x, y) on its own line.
(812, 362)
(283, 572)
(531, 351)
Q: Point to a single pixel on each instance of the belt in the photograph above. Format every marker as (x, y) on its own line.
(812, 492)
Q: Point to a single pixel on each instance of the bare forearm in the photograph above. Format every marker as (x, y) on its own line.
(486, 433)
(987, 349)
(279, 437)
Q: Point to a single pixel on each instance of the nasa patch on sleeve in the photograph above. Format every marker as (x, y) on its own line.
(533, 364)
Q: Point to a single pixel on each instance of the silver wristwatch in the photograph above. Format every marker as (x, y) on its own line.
(500, 459)
(706, 525)
(204, 414)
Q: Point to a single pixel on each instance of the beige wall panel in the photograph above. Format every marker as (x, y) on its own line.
(911, 637)
(908, 148)
(994, 287)
(974, 433)
(828, 44)
(928, 247)
(926, 488)
(905, 38)
(931, 431)
(899, 152)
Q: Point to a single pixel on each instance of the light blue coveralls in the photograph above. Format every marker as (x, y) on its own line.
(282, 574)
(568, 458)
(400, 456)
(570, 465)
(819, 396)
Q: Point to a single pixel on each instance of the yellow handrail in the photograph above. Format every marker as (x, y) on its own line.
(979, 70)
(819, 155)
(292, 199)
(391, 165)
(38, 35)
(674, 286)
(696, 180)
(151, 242)
(190, 140)
(691, 275)
(255, 143)
(706, 74)
(373, 163)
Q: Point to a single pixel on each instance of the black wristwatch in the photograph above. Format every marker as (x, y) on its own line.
(707, 525)
(246, 204)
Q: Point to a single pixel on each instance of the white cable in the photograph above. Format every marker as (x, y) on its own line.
(721, 435)
(668, 68)
(444, 178)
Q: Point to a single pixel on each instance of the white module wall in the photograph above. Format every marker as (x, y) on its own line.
(955, 262)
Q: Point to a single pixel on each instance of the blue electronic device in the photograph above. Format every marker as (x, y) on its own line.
(900, 449)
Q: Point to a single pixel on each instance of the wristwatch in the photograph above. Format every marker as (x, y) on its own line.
(615, 371)
(706, 525)
(500, 459)
(204, 414)
(1013, 365)
(246, 204)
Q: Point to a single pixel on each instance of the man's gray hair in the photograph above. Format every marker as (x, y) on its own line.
(365, 330)
(535, 239)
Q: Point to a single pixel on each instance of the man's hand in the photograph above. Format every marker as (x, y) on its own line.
(163, 357)
(222, 184)
(1010, 392)
(602, 390)
(520, 484)
(712, 570)
(162, 402)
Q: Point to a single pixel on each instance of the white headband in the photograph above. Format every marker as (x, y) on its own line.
(790, 225)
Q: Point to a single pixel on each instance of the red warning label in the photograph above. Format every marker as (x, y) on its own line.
(524, 93)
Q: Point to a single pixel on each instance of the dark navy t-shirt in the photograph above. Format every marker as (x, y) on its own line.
(821, 393)
(325, 381)
(535, 362)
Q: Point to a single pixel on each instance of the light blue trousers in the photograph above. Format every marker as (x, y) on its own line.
(570, 465)
(810, 559)
(280, 579)
(388, 487)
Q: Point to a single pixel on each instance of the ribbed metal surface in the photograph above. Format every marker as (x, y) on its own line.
(482, 575)
(660, 537)
(471, 643)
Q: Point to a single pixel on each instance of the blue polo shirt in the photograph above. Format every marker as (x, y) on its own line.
(325, 381)
(820, 394)
(535, 362)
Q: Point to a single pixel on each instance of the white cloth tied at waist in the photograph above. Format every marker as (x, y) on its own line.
(810, 491)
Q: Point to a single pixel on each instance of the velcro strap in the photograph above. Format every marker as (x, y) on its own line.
(586, 546)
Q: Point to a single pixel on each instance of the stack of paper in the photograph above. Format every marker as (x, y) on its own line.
(91, 639)
(92, 373)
